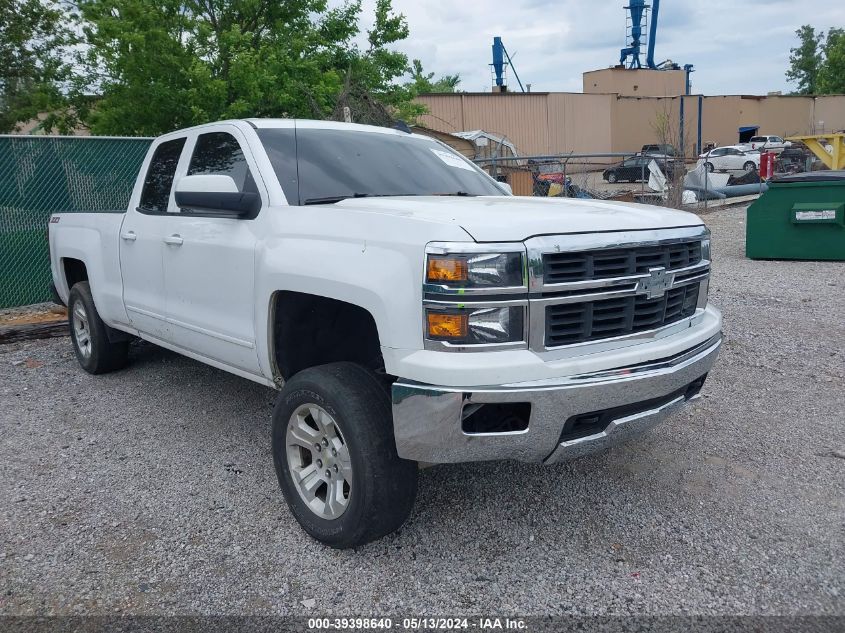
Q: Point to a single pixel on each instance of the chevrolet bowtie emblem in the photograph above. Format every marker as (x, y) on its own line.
(657, 282)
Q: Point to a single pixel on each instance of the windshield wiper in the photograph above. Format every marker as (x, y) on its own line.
(333, 199)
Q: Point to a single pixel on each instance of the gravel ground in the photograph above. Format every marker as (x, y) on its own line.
(151, 491)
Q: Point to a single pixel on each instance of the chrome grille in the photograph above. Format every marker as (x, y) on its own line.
(622, 287)
(569, 323)
(608, 263)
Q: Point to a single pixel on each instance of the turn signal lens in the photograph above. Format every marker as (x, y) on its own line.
(447, 268)
(447, 326)
(476, 270)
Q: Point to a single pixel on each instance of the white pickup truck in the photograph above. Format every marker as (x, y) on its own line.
(774, 144)
(408, 309)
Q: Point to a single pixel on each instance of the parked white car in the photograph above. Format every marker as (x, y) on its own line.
(404, 305)
(730, 158)
(775, 144)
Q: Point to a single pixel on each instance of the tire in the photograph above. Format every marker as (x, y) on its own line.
(89, 335)
(342, 407)
(709, 167)
(612, 177)
(749, 167)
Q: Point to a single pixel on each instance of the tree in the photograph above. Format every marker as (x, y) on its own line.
(404, 96)
(805, 60)
(422, 82)
(817, 65)
(369, 81)
(666, 127)
(831, 79)
(160, 65)
(34, 36)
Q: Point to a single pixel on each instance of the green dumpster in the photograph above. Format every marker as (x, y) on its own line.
(801, 216)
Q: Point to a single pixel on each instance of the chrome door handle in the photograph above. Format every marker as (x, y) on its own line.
(129, 236)
(173, 240)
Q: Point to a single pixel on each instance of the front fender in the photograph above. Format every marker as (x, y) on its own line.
(371, 261)
(374, 278)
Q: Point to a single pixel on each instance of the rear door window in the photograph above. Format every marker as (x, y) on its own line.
(219, 153)
(155, 194)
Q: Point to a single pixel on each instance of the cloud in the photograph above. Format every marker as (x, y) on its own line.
(736, 47)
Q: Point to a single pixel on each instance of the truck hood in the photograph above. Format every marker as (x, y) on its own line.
(516, 218)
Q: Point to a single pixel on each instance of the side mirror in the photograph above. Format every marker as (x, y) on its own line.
(505, 187)
(216, 194)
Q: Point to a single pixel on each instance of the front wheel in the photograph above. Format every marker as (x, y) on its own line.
(335, 456)
(96, 353)
(612, 177)
(709, 167)
(749, 167)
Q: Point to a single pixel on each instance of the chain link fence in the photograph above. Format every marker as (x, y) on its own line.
(619, 176)
(44, 175)
(40, 175)
(667, 180)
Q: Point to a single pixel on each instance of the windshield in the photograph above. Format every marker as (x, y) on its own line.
(334, 164)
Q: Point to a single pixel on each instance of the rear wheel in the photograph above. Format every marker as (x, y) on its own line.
(335, 456)
(749, 167)
(89, 335)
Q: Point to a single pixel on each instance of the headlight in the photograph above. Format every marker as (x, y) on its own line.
(475, 296)
(705, 248)
(476, 270)
(704, 286)
(476, 326)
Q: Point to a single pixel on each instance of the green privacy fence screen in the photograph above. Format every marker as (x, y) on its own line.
(40, 175)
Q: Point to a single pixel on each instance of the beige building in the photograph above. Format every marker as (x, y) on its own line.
(635, 82)
(556, 122)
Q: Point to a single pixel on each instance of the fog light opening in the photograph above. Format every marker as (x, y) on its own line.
(487, 419)
(695, 387)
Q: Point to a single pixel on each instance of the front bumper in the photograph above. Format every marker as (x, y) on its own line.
(608, 405)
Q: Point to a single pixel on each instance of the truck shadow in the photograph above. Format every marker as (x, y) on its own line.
(595, 495)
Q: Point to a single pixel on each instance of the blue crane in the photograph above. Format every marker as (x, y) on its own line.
(637, 8)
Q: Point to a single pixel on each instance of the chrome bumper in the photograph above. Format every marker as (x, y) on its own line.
(427, 419)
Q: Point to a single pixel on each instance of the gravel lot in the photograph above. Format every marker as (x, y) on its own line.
(152, 491)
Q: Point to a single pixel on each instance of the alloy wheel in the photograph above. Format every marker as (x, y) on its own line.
(81, 329)
(318, 461)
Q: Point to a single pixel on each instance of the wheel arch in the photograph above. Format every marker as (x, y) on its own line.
(307, 330)
(74, 271)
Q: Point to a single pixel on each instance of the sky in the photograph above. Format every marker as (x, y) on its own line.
(737, 47)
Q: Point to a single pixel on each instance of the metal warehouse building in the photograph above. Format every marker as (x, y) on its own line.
(559, 122)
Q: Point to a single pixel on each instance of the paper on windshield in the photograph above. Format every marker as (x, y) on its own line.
(452, 160)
